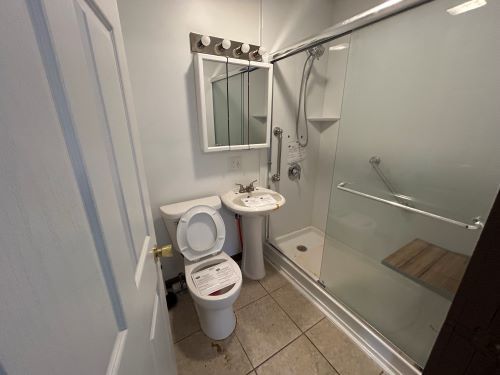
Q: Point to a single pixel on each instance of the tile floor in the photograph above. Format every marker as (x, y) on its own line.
(278, 331)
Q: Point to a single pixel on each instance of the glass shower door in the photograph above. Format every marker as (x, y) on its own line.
(418, 134)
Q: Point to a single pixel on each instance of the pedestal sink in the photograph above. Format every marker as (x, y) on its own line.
(253, 208)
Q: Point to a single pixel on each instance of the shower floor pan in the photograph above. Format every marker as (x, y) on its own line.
(304, 247)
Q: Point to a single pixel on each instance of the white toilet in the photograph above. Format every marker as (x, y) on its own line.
(213, 278)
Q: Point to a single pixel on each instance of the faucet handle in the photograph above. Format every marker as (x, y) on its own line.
(242, 188)
(250, 185)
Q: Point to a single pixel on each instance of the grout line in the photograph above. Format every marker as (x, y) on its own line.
(300, 331)
(279, 351)
(274, 290)
(249, 303)
(282, 309)
(185, 337)
(243, 348)
(315, 324)
(320, 352)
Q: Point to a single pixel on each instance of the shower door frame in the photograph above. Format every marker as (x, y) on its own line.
(378, 13)
(355, 326)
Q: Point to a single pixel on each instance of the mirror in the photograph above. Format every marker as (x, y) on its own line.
(258, 105)
(234, 99)
(237, 87)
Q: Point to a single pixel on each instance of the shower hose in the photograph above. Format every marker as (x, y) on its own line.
(306, 72)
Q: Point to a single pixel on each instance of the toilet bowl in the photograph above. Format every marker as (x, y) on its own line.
(213, 278)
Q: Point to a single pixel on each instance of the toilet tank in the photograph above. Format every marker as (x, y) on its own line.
(171, 213)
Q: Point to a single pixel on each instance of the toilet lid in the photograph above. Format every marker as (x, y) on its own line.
(200, 232)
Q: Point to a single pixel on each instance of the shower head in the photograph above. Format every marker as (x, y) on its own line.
(316, 51)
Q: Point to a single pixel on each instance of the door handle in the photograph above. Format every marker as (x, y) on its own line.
(163, 251)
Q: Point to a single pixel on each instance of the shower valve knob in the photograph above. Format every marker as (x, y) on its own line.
(294, 171)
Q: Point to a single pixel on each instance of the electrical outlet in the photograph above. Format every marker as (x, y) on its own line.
(235, 163)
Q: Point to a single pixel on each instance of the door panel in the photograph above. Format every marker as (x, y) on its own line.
(52, 285)
(100, 50)
(87, 286)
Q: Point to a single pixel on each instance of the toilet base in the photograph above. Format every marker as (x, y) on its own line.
(216, 324)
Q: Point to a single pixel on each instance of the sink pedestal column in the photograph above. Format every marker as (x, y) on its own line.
(252, 263)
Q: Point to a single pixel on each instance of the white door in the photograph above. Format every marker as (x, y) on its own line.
(79, 291)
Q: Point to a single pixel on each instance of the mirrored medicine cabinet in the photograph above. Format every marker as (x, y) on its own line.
(234, 102)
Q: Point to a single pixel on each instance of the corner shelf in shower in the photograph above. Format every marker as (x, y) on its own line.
(323, 119)
(435, 268)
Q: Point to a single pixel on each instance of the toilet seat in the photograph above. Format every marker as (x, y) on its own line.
(206, 300)
(200, 233)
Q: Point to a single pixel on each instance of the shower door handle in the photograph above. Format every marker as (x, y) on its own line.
(278, 133)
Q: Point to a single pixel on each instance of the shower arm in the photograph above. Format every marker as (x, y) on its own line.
(375, 163)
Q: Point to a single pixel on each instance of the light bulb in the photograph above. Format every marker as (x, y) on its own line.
(204, 41)
(238, 51)
(258, 53)
(222, 46)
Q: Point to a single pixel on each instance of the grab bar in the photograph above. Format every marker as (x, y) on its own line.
(375, 163)
(476, 222)
(278, 132)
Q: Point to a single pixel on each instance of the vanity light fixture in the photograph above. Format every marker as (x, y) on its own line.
(257, 54)
(465, 7)
(204, 41)
(243, 48)
(221, 47)
(224, 47)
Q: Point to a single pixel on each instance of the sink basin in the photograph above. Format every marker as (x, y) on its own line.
(253, 208)
(247, 204)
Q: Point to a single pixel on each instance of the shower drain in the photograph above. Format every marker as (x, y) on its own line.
(302, 248)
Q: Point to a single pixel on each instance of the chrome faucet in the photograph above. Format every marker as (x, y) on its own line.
(247, 189)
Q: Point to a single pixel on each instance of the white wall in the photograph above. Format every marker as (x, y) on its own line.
(156, 34)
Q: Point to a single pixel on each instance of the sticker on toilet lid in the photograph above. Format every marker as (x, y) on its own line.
(214, 278)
